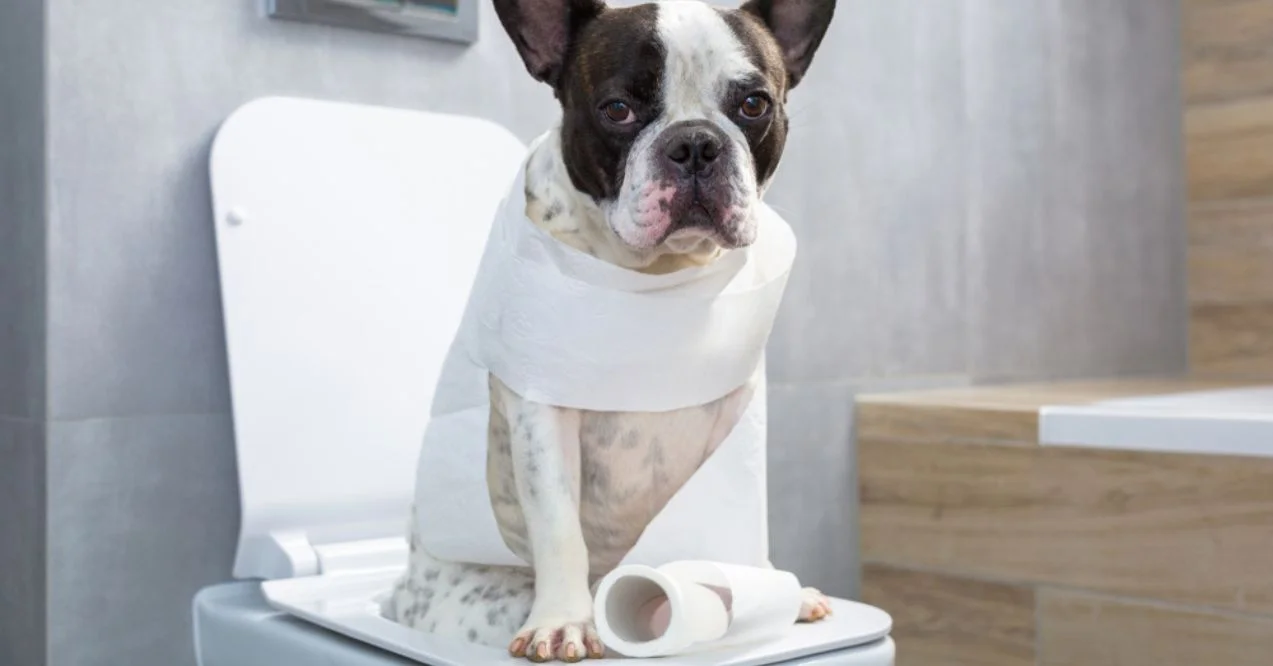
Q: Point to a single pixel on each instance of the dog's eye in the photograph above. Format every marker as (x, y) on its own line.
(754, 107)
(618, 112)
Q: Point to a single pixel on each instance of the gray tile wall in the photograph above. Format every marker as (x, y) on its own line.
(874, 188)
(987, 188)
(141, 516)
(981, 191)
(22, 335)
(22, 203)
(22, 543)
(1075, 201)
(813, 477)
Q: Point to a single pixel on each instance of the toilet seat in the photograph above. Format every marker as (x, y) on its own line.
(346, 238)
(235, 626)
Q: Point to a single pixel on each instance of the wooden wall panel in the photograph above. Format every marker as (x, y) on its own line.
(1231, 252)
(1227, 55)
(1077, 629)
(1230, 150)
(945, 621)
(1188, 529)
(995, 414)
(1226, 49)
(1232, 340)
(1003, 424)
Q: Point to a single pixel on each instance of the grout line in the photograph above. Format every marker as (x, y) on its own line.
(1209, 302)
(1044, 586)
(1223, 103)
(134, 417)
(1228, 203)
(869, 383)
(1162, 604)
(1038, 654)
(949, 573)
(952, 441)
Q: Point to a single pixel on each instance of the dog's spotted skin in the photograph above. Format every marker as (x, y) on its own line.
(573, 490)
(479, 603)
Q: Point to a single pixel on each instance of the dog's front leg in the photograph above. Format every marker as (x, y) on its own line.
(544, 442)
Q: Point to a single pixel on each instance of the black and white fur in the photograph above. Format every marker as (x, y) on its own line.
(673, 125)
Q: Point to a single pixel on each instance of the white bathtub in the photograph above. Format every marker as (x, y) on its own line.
(1222, 422)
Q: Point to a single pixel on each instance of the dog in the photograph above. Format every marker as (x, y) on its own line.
(673, 125)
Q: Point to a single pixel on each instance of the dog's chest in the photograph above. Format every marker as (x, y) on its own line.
(631, 464)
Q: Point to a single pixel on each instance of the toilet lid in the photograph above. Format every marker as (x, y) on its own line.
(347, 238)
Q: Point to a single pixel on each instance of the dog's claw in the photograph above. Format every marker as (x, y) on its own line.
(567, 642)
(815, 606)
(595, 649)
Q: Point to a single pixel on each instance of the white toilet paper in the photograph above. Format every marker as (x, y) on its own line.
(561, 327)
(690, 606)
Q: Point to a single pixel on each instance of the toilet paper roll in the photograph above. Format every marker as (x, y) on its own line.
(691, 606)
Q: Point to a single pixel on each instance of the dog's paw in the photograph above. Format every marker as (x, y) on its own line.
(815, 606)
(547, 639)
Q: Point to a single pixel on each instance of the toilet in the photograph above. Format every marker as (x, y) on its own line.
(347, 237)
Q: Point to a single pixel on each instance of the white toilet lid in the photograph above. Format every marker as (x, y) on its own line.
(347, 239)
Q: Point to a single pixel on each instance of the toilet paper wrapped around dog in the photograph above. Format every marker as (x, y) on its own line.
(690, 606)
(561, 327)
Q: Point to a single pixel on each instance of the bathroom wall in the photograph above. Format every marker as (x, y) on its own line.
(988, 189)
(982, 191)
(1228, 84)
(22, 358)
(143, 504)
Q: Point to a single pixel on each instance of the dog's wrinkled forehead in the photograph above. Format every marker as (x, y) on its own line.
(678, 58)
(705, 57)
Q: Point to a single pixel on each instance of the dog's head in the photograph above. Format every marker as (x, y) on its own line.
(673, 112)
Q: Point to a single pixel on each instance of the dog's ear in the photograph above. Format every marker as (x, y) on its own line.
(798, 26)
(542, 31)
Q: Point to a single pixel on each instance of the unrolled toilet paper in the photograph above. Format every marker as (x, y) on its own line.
(691, 606)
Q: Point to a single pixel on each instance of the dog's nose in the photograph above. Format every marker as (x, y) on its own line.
(692, 147)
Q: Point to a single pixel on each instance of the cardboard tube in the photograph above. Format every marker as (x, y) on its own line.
(642, 612)
(689, 606)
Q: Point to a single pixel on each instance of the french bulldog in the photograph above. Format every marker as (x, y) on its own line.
(673, 125)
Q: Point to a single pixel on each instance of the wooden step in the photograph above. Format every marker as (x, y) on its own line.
(970, 528)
